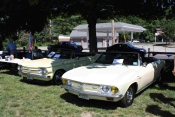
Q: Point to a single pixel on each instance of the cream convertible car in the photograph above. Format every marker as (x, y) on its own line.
(113, 77)
(53, 67)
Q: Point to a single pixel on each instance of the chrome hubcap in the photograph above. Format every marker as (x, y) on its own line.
(58, 78)
(129, 95)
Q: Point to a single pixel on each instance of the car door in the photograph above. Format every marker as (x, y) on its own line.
(146, 74)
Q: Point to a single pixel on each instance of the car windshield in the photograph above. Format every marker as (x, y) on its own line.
(61, 54)
(118, 58)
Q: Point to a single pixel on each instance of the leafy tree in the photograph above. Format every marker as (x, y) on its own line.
(168, 28)
(32, 15)
(17, 15)
(92, 10)
(64, 26)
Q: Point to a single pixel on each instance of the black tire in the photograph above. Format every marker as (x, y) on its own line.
(128, 98)
(57, 78)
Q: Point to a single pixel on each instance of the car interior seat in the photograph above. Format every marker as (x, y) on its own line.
(131, 60)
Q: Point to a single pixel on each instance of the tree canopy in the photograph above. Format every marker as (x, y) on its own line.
(32, 15)
(92, 10)
(19, 15)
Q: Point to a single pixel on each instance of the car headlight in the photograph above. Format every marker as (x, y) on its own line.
(109, 89)
(66, 82)
(105, 89)
(42, 71)
(114, 89)
(20, 68)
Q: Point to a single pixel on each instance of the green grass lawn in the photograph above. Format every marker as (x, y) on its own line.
(26, 99)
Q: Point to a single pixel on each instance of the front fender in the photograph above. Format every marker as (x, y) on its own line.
(125, 81)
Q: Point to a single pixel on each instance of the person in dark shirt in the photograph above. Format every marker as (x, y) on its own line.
(12, 48)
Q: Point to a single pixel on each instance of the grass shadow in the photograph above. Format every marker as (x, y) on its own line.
(156, 110)
(35, 82)
(159, 97)
(73, 99)
(10, 71)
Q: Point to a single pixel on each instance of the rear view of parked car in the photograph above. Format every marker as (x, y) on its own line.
(126, 47)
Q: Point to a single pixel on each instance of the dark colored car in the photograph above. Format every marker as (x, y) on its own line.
(126, 47)
(67, 45)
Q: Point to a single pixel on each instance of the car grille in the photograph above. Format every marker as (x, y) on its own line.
(86, 87)
(27, 70)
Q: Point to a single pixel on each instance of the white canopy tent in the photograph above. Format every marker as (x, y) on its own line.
(107, 28)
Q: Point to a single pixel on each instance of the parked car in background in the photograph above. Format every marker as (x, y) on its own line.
(66, 44)
(126, 47)
(136, 41)
(53, 67)
(113, 77)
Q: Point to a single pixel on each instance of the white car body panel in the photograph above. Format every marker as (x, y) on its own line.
(88, 79)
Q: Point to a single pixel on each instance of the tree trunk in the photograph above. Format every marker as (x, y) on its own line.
(1, 43)
(92, 36)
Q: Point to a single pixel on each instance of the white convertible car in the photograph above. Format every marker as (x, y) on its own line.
(113, 77)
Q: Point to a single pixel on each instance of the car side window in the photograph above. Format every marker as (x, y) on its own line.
(131, 59)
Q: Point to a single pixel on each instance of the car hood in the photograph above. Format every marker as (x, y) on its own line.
(45, 62)
(98, 74)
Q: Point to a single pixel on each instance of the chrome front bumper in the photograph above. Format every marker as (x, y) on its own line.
(35, 76)
(93, 95)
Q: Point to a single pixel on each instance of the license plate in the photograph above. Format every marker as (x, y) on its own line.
(83, 96)
(29, 78)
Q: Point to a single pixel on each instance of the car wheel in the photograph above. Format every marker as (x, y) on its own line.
(128, 98)
(57, 78)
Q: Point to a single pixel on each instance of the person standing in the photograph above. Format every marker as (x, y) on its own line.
(12, 48)
(174, 67)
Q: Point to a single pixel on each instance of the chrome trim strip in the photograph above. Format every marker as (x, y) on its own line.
(34, 75)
